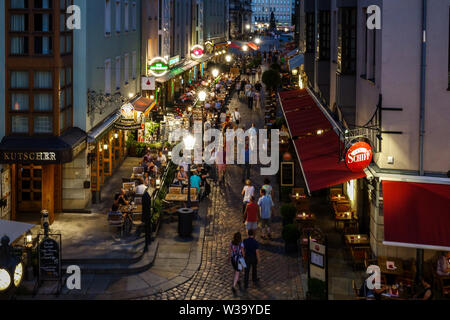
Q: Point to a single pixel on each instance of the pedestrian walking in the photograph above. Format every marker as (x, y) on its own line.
(247, 193)
(266, 206)
(259, 73)
(250, 97)
(236, 254)
(236, 117)
(252, 258)
(251, 215)
(247, 166)
(238, 88)
(257, 100)
(268, 188)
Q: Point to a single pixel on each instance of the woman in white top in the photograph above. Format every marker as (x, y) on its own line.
(248, 192)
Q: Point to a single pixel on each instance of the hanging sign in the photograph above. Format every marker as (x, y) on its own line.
(359, 156)
(197, 52)
(148, 83)
(174, 60)
(158, 67)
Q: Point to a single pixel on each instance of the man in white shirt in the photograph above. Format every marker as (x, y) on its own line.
(140, 189)
(236, 116)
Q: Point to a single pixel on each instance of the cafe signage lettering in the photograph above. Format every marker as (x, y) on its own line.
(158, 67)
(28, 156)
(359, 156)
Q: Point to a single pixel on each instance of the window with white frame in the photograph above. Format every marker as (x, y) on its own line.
(126, 68)
(118, 15)
(108, 17)
(127, 16)
(108, 76)
(117, 73)
(134, 65)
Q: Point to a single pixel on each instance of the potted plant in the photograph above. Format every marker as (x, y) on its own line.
(288, 212)
(290, 236)
(316, 290)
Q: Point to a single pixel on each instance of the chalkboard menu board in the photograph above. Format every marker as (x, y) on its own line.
(49, 260)
(287, 174)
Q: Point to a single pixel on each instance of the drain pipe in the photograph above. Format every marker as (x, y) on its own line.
(420, 252)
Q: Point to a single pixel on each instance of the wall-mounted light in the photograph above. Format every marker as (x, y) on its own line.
(131, 95)
(294, 72)
(116, 135)
(152, 97)
(105, 147)
(320, 132)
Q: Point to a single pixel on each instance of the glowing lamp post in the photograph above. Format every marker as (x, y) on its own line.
(11, 268)
(189, 144)
(215, 73)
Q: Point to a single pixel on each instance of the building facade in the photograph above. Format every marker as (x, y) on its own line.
(372, 82)
(282, 9)
(215, 17)
(48, 114)
(240, 18)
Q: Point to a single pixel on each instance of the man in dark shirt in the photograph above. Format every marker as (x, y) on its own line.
(252, 258)
(121, 198)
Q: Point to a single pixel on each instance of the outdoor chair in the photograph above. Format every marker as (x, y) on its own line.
(358, 256)
(115, 220)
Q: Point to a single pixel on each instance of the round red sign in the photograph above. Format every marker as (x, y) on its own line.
(359, 156)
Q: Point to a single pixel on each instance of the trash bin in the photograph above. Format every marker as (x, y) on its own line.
(185, 219)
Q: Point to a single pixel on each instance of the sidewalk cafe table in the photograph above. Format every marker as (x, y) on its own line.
(357, 239)
(344, 217)
(172, 197)
(306, 220)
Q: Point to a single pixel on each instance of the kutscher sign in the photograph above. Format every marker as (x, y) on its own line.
(158, 67)
(359, 156)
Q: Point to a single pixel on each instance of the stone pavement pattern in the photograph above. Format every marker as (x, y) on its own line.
(279, 273)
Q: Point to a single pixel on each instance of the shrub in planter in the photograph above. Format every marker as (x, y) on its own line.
(288, 212)
(290, 236)
(316, 289)
(272, 79)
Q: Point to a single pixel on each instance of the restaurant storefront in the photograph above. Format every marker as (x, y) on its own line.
(35, 172)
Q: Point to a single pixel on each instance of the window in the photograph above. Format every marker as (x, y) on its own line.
(19, 102)
(19, 4)
(43, 22)
(324, 35)
(42, 80)
(19, 46)
(108, 77)
(134, 18)
(310, 17)
(346, 58)
(43, 102)
(43, 124)
(126, 68)
(134, 65)
(43, 4)
(117, 73)
(127, 16)
(108, 17)
(19, 80)
(43, 45)
(118, 15)
(19, 124)
(18, 23)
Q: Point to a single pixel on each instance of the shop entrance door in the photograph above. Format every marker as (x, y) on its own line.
(29, 188)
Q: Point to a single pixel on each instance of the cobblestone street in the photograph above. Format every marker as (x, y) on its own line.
(279, 273)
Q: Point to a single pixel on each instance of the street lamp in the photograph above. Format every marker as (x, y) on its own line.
(202, 96)
(228, 58)
(245, 48)
(11, 268)
(189, 143)
(257, 40)
(215, 73)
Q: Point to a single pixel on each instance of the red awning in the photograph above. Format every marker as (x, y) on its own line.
(144, 105)
(253, 46)
(316, 142)
(416, 215)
